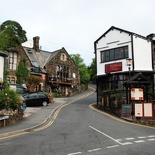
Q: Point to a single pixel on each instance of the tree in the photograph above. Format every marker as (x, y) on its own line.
(92, 70)
(84, 75)
(33, 82)
(22, 72)
(11, 35)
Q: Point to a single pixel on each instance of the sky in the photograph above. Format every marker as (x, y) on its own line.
(77, 24)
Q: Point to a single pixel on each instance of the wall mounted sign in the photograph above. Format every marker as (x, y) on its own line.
(114, 67)
(138, 109)
(137, 94)
(148, 109)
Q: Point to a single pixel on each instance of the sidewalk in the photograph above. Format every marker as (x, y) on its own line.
(34, 116)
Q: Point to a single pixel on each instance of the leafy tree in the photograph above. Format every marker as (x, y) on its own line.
(92, 70)
(11, 35)
(22, 72)
(17, 29)
(32, 82)
(84, 74)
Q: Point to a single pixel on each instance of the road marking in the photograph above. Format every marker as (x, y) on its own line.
(151, 136)
(141, 137)
(18, 134)
(129, 138)
(112, 146)
(75, 153)
(151, 139)
(44, 127)
(126, 143)
(94, 150)
(105, 135)
(139, 141)
(119, 140)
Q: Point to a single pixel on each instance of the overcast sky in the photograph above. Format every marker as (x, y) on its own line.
(76, 24)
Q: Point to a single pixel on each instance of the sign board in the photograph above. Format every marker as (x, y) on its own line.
(148, 110)
(137, 94)
(126, 110)
(43, 77)
(138, 109)
(114, 67)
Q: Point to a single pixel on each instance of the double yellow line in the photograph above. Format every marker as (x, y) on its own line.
(58, 110)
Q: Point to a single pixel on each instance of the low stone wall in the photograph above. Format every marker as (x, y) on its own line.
(10, 117)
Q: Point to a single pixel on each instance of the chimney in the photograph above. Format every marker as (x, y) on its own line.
(36, 43)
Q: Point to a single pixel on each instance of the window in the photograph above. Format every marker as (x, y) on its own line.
(12, 61)
(114, 54)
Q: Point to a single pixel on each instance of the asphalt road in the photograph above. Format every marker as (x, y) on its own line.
(79, 130)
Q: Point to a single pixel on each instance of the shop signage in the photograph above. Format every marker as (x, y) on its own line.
(114, 67)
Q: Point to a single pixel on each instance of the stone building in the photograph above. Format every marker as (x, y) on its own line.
(57, 69)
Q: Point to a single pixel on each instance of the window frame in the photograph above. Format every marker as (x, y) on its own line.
(115, 54)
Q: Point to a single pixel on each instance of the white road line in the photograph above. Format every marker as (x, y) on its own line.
(126, 143)
(129, 138)
(94, 150)
(105, 135)
(141, 137)
(75, 153)
(139, 141)
(119, 140)
(112, 146)
(152, 136)
(151, 139)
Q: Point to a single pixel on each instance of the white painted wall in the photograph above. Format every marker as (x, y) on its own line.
(142, 54)
(112, 36)
(1, 67)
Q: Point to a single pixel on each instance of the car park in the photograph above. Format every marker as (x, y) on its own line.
(36, 99)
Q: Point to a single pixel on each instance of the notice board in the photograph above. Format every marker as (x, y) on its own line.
(148, 110)
(138, 109)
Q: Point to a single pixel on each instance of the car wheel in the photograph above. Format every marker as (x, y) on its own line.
(44, 103)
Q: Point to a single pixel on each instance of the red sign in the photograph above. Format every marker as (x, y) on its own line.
(43, 76)
(114, 67)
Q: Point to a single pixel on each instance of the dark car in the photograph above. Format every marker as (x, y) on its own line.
(36, 99)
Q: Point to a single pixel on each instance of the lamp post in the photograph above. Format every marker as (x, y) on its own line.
(129, 63)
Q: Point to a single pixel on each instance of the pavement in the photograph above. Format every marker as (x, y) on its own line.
(36, 116)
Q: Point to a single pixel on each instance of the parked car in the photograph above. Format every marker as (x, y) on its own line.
(18, 88)
(36, 99)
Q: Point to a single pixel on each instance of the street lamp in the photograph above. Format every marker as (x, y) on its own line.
(129, 63)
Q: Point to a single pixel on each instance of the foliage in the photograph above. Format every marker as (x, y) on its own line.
(9, 99)
(92, 70)
(22, 72)
(32, 82)
(84, 74)
(57, 95)
(17, 29)
(11, 35)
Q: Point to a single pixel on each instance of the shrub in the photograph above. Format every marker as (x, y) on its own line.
(9, 99)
